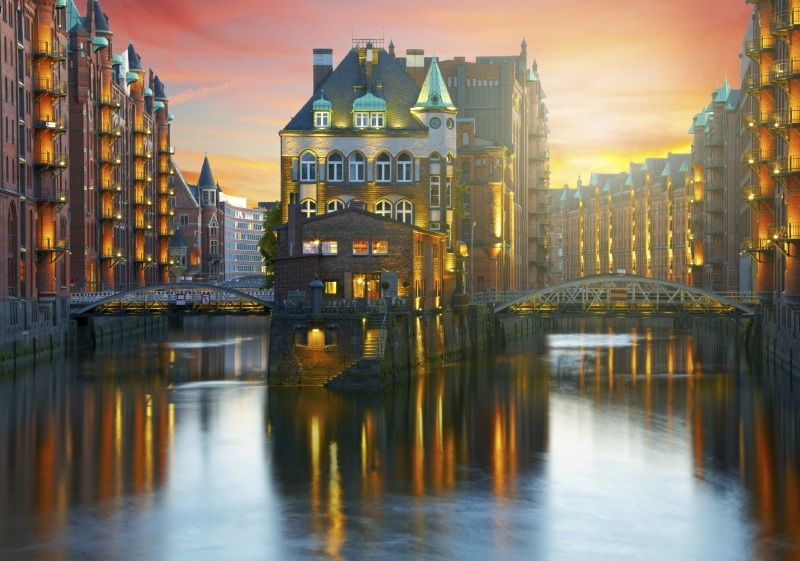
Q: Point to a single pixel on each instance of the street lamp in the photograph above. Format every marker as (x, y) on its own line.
(472, 264)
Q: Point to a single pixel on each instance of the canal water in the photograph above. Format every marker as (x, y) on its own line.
(593, 443)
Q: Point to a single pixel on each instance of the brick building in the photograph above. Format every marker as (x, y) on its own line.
(352, 251)
(369, 137)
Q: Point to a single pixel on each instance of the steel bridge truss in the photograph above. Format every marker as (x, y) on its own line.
(623, 295)
(178, 298)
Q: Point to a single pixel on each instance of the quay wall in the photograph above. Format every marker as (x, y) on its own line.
(31, 329)
(773, 339)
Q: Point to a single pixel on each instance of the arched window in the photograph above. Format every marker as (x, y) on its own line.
(356, 168)
(464, 138)
(404, 212)
(308, 208)
(383, 208)
(383, 168)
(335, 168)
(357, 203)
(465, 169)
(404, 168)
(435, 164)
(308, 168)
(334, 205)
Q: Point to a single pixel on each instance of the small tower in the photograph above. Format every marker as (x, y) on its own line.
(206, 185)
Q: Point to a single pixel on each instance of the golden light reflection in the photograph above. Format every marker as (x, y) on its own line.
(315, 475)
(498, 457)
(336, 532)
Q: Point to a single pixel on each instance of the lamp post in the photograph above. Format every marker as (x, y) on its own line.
(472, 265)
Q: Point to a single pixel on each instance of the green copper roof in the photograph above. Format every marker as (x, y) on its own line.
(665, 173)
(685, 166)
(434, 94)
(131, 77)
(644, 166)
(157, 105)
(323, 104)
(116, 60)
(99, 43)
(369, 102)
(593, 179)
(74, 18)
(564, 195)
(629, 182)
(723, 93)
(170, 117)
(147, 91)
(61, 4)
(607, 186)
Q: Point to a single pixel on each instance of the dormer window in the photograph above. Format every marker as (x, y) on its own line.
(369, 111)
(322, 119)
(322, 112)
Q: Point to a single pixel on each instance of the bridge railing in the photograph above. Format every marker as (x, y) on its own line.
(190, 294)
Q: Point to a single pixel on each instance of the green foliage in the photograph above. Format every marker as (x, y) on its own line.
(268, 244)
(461, 195)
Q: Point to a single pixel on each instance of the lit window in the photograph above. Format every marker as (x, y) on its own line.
(404, 212)
(308, 208)
(383, 208)
(330, 288)
(335, 168)
(360, 247)
(321, 119)
(308, 167)
(356, 168)
(330, 247)
(404, 168)
(383, 166)
(311, 247)
(435, 191)
(377, 120)
(380, 248)
(335, 205)
(362, 120)
(448, 192)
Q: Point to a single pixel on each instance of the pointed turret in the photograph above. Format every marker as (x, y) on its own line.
(100, 20)
(434, 94)
(134, 62)
(206, 180)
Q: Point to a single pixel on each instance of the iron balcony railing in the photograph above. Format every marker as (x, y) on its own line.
(759, 45)
(52, 244)
(50, 194)
(51, 123)
(50, 85)
(48, 49)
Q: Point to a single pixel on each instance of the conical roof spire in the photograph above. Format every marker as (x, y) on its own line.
(134, 62)
(100, 20)
(434, 94)
(206, 179)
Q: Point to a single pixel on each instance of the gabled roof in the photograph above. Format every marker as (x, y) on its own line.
(434, 94)
(723, 93)
(348, 81)
(75, 22)
(177, 240)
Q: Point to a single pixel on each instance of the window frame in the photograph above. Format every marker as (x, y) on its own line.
(383, 168)
(361, 119)
(384, 208)
(400, 211)
(308, 208)
(379, 247)
(356, 161)
(308, 168)
(322, 119)
(334, 205)
(357, 245)
(405, 166)
(377, 120)
(335, 165)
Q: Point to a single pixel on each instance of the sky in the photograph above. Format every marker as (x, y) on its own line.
(623, 78)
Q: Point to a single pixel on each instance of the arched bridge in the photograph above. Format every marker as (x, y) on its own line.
(194, 298)
(622, 295)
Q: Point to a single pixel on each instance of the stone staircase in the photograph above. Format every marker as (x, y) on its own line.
(366, 370)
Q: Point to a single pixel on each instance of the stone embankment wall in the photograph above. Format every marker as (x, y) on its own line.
(329, 349)
(30, 329)
(773, 339)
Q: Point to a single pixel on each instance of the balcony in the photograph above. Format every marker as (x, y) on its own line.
(110, 186)
(712, 162)
(57, 124)
(785, 21)
(110, 157)
(143, 177)
(109, 129)
(784, 166)
(143, 154)
(111, 100)
(755, 82)
(166, 190)
(50, 86)
(166, 168)
(759, 194)
(143, 225)
(142, 128)
(52, 194)
(143, 201)
(755, 47)
(115, 254)
(52, 244)
(144, 259)
(166, 150)
(112, 213)
(166, 231)
(49, 50)
(756, 119)
(758, 157)
(50, 160)
(784, 69)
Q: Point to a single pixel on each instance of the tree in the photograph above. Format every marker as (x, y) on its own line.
(268, 244)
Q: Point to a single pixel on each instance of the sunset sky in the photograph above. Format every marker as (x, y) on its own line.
(623, 78)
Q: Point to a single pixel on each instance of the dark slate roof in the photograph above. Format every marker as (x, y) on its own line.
(177, 240)
(158, 87)
(349, 82)
(134, 62)
(206, 178)
(100, 20)
(75, 22)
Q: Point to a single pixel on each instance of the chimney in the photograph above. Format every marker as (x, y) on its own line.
(415, 65)
(294, 229)
(323, 66)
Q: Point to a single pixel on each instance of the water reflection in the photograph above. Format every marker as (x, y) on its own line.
(640, 443)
